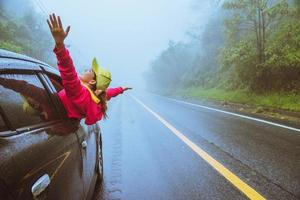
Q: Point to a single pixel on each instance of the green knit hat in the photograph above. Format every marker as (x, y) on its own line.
(103, 76)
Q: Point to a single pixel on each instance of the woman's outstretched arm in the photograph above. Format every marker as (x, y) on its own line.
(112, 92)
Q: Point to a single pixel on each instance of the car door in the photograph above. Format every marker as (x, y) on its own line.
(40, 159)
(87, 136)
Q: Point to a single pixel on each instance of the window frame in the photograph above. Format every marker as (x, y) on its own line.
(54, 94)
(51, 92)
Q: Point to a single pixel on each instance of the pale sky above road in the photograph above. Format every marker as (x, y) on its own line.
(126, 35)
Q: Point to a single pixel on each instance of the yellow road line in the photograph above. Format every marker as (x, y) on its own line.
(226, 173)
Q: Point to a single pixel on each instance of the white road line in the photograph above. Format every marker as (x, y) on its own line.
(226, 173)
(234, 114)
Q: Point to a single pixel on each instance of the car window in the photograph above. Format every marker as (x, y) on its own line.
(24, 100)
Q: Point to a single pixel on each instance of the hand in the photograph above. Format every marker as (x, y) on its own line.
(57, 31)
(127, 88)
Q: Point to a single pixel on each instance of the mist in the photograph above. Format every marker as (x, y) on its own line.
(125, 36)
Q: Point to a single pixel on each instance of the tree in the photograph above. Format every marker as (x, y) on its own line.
(255, 17)
(168, 69)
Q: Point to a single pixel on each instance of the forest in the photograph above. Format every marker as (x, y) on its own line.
(248, 52)
(25, 31)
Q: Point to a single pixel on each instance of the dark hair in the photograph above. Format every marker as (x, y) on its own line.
(102, 97)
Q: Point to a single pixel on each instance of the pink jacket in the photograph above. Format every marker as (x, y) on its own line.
(75, 97)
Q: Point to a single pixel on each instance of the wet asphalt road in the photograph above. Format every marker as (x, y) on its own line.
(143, 159)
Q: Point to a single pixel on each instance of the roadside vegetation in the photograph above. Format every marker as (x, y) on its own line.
(16, 32)
(248, 52)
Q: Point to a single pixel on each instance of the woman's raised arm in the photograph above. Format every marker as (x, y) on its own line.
(66, 67)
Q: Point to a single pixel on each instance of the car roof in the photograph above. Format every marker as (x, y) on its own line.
(8, 56)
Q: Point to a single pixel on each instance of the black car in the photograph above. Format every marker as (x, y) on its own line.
(43, 154)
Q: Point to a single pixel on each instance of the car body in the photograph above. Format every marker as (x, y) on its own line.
(43, 153)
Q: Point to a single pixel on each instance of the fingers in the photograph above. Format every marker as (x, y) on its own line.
(55, 24)
(52, 21)
(49, 24)
(67, 30)
(127, 88)
(59, 22)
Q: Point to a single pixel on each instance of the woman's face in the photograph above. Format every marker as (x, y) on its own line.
(87, 76)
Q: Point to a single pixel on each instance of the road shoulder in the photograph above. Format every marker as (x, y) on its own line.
(275, 115)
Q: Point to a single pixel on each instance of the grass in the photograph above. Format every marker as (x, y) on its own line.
(275, 100)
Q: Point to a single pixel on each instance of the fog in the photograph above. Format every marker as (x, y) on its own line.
(126, 35)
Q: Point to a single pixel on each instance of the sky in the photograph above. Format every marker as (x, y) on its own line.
(125, 35)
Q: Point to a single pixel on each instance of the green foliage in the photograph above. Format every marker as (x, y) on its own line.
(297, 7)
(169, 68)
(25, 33)
(265, 58)
(282, 66)
(275, 100)
(10, 46)
(249, 53)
